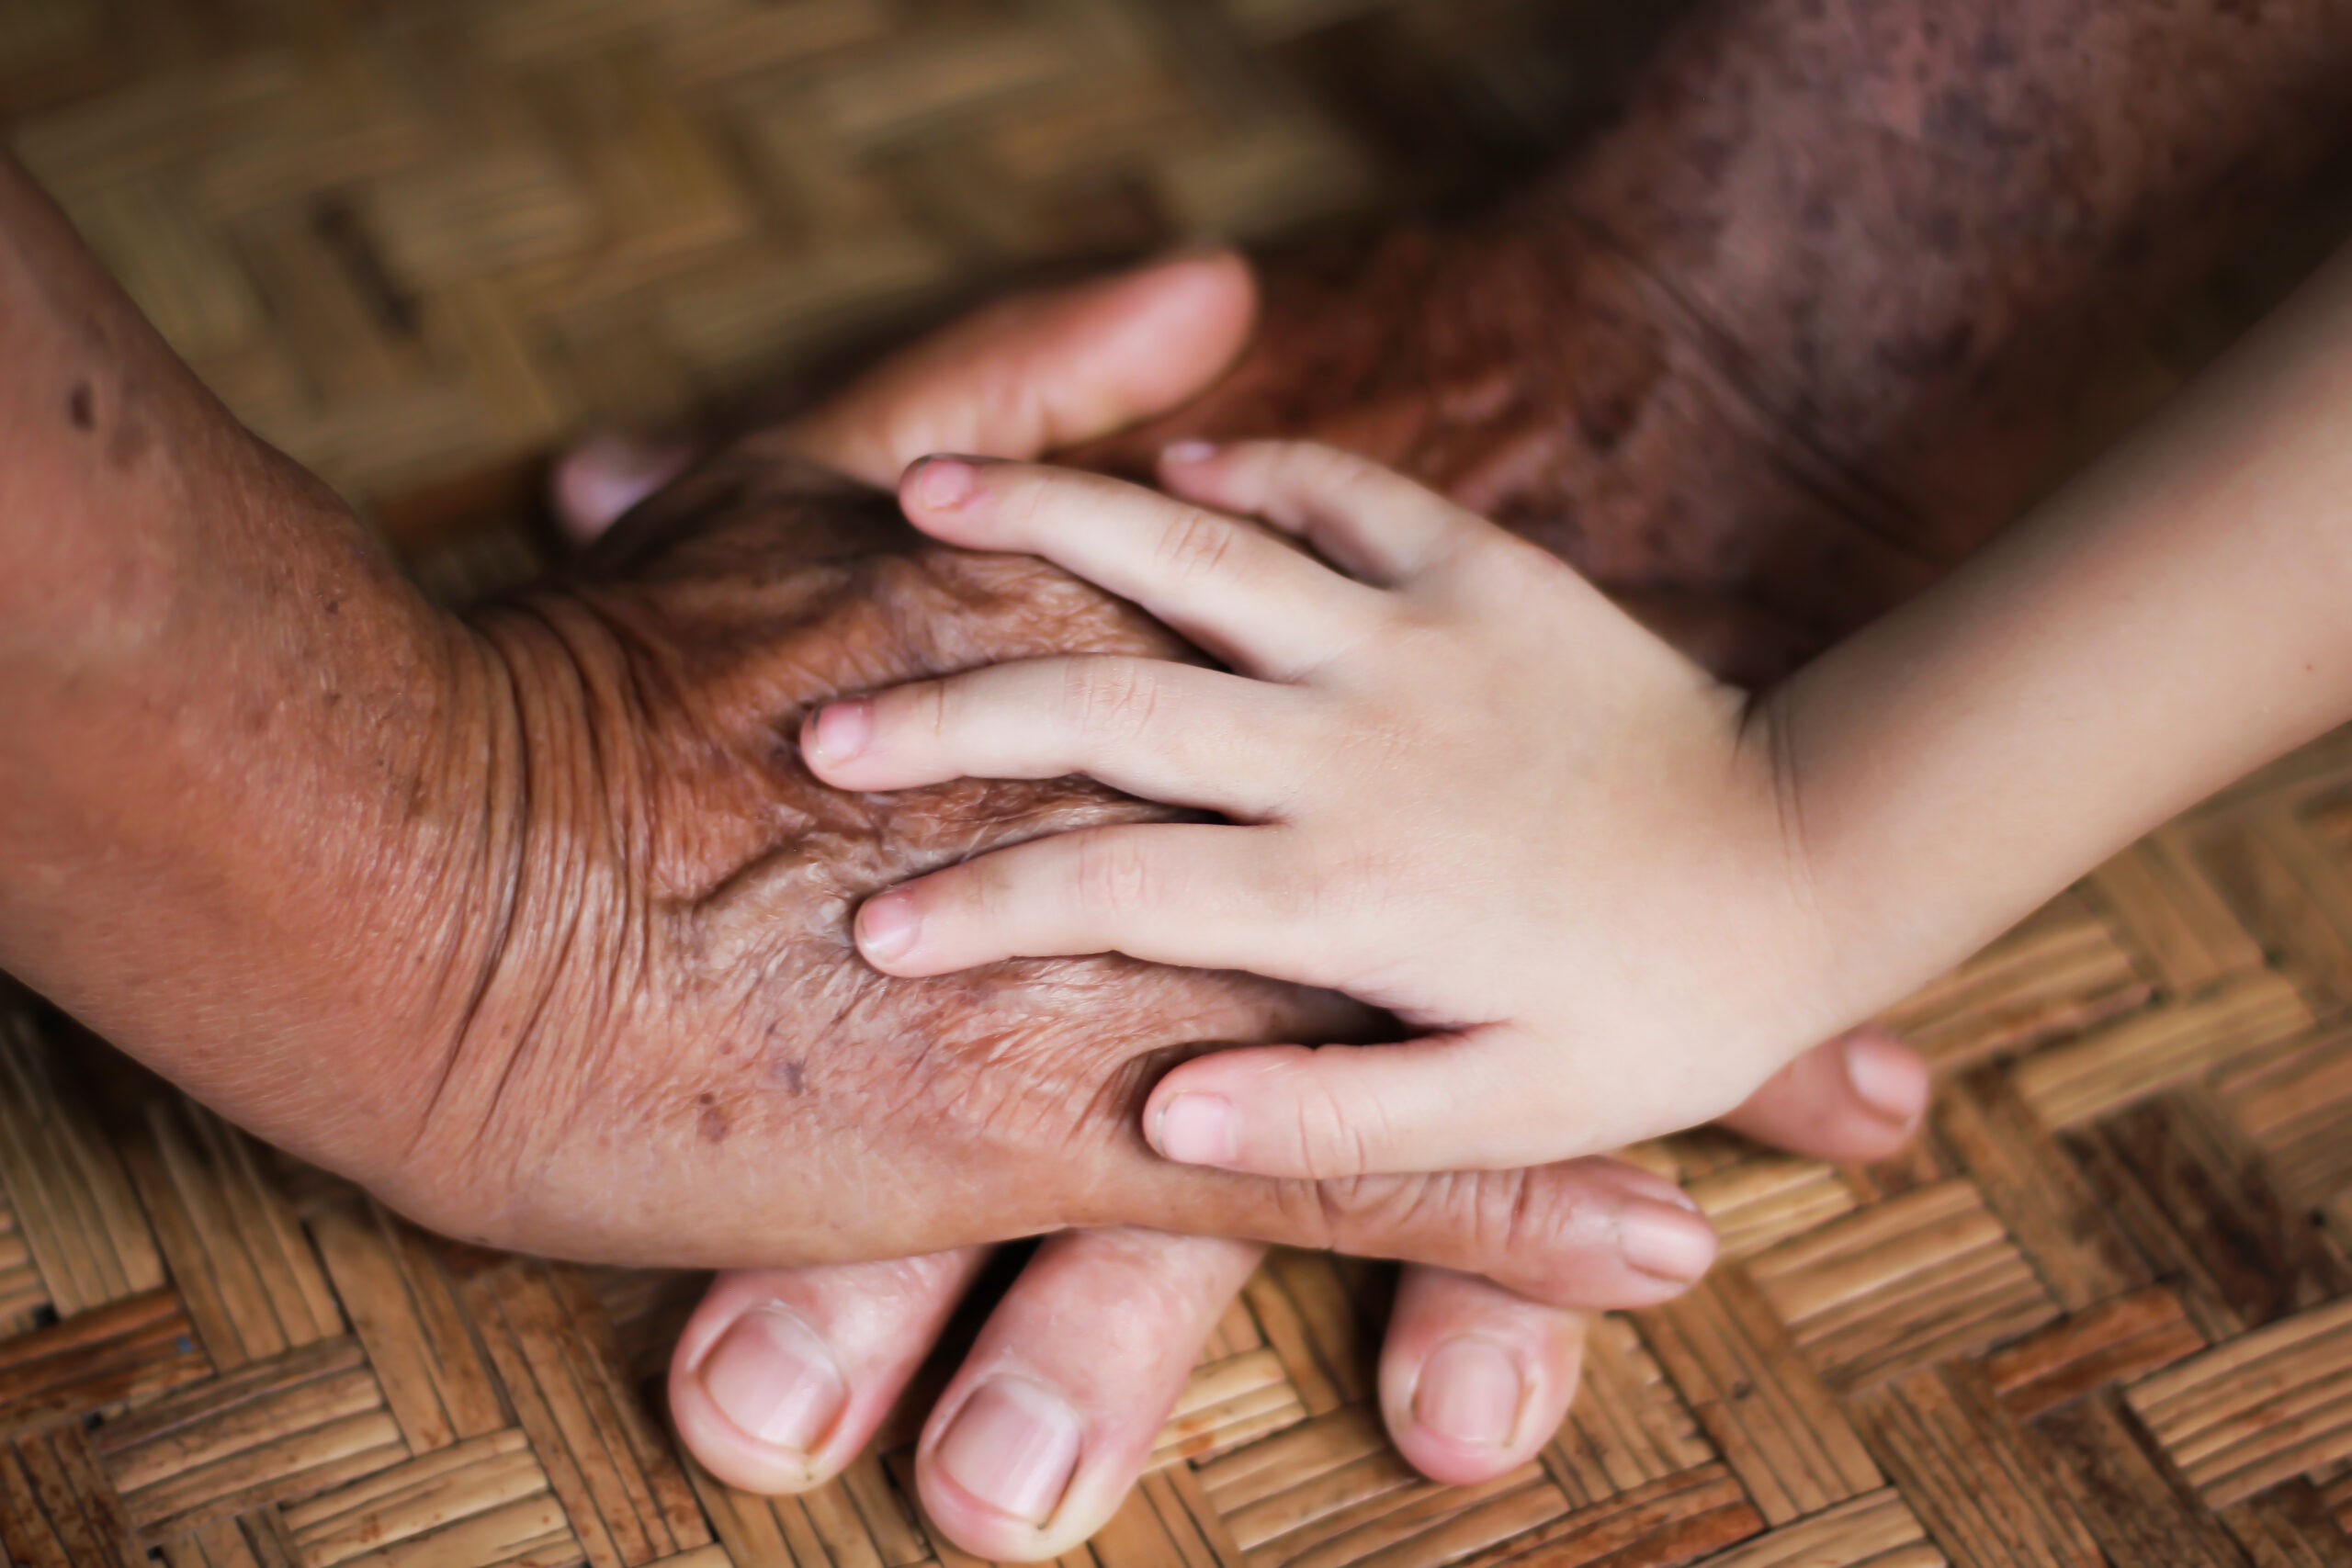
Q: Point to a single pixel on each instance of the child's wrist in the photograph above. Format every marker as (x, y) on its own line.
(1830, 967)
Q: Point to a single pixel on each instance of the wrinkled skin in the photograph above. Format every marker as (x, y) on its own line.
(702, 628)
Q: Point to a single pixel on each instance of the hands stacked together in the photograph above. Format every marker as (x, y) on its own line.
(782, 1374)
(557, 953)
(539, 921)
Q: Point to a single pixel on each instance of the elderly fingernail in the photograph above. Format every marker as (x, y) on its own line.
(887, 926)
(1013, 1446)
(1470, 1391)
(1665, 1241)
(1188, 452)
(774, 1377)
(944, 481)
(839, 731)
(1197, 1129)
(1886, 1074)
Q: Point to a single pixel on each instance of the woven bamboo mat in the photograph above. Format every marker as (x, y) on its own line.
(413, 244)
(2101, 1311)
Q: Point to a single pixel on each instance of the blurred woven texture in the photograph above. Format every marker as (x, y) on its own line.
(414, 243)
(2101, 1313)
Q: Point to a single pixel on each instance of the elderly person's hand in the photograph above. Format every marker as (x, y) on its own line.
(783, 1374)
(533, 922)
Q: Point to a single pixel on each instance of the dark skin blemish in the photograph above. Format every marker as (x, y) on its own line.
(710, 1119)
(82, 407)
(787, 1074)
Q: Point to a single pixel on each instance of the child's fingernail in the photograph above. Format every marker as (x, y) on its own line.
(1664, 1241)
(839, 731)
(887, 926)
(1470, 1391)
(946, 481)
(1197, 1129)
(1188, 452)
(1886, 1074)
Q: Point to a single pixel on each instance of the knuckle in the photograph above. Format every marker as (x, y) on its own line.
(1547, 1231)
(1395, 1216)
(1026, 507)
(1110, 700)
(1314, 1214)
(933, 712)
(1492, 1216)
(1334, 1138)
(1196, 545)
(1113, 875)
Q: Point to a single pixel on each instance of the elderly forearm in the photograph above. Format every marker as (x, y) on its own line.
(2174, 618)
(216, 696)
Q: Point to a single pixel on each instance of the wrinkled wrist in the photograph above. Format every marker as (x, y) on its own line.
(256, 873)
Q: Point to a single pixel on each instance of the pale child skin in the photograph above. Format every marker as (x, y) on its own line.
(1609, 894)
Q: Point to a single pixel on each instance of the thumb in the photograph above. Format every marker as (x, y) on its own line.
(1041, 371)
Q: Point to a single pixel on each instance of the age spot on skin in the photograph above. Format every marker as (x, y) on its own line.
(787, 1074)
(710, 1119)
(82, 407)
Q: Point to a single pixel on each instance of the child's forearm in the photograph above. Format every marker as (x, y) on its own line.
(2179, 615)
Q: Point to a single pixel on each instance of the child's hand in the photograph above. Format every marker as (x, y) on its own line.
(1464, 787)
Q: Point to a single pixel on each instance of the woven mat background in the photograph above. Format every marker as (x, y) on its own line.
(2101, 1311)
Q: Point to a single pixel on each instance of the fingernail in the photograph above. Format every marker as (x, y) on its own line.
(1664, 1240)
(774, 1377)
(840, 732)
(887, 926)
(1886, 1074)
(944, 481)
(1197, 1129)
(1470, 1391)
(1188, 452)
(1012, 1445)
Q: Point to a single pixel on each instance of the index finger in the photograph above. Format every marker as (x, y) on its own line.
(1595, 1233)
(1253, 601)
